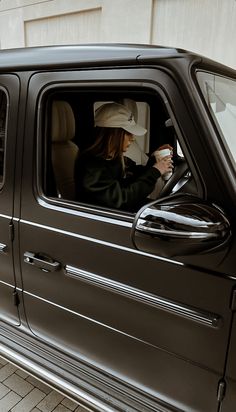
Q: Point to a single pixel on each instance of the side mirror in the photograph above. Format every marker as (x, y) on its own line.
(180, 227)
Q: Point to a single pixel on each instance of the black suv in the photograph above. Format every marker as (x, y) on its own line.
(121, 311)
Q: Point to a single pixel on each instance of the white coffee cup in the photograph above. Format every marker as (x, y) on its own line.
(159, 154)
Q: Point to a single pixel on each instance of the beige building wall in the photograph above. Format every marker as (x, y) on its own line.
(204, 26)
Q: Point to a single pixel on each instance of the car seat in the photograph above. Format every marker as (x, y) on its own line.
(64, 151)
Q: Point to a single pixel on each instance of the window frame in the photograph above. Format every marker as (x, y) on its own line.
(152, 87)
(222, 141)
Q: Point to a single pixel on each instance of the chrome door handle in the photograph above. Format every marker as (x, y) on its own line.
(41, 261)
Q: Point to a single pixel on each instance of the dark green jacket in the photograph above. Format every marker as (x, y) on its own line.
(103, 182)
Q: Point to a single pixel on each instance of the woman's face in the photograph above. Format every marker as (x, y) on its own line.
(128, 139)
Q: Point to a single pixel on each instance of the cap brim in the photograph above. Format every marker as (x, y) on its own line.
(135, 129)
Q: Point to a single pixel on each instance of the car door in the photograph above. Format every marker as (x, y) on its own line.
(158, 323)
(218, 92)
(9, 98)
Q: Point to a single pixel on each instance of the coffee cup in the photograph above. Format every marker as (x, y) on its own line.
(159, 154)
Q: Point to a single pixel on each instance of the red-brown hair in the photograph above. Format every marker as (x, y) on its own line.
(108, 142)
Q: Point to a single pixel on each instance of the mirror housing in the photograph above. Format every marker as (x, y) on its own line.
(180, 227)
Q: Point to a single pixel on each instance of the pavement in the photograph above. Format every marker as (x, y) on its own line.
(21, 392)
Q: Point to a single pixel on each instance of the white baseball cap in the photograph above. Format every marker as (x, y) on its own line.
(117, 115)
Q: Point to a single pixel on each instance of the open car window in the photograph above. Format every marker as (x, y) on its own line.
(68, 125)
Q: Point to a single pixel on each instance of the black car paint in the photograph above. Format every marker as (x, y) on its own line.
(141, 330)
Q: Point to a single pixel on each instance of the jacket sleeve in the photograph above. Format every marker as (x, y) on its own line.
(102, 188)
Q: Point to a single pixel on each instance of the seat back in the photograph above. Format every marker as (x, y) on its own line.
(64, 151)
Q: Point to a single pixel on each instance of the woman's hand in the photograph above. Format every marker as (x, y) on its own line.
(164, 164)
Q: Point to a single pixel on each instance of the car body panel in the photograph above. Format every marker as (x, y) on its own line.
(156, 328)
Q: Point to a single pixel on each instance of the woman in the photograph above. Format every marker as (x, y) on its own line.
(103, 175)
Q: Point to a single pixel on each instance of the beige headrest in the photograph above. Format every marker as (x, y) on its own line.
(63, 121)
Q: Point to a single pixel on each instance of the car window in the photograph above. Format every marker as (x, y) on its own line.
(220, 95)
(68, 124)
(3, 114)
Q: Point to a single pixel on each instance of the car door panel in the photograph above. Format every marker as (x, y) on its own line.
(112, 292)
(144, 319)
(149, 368)
(87, 320)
